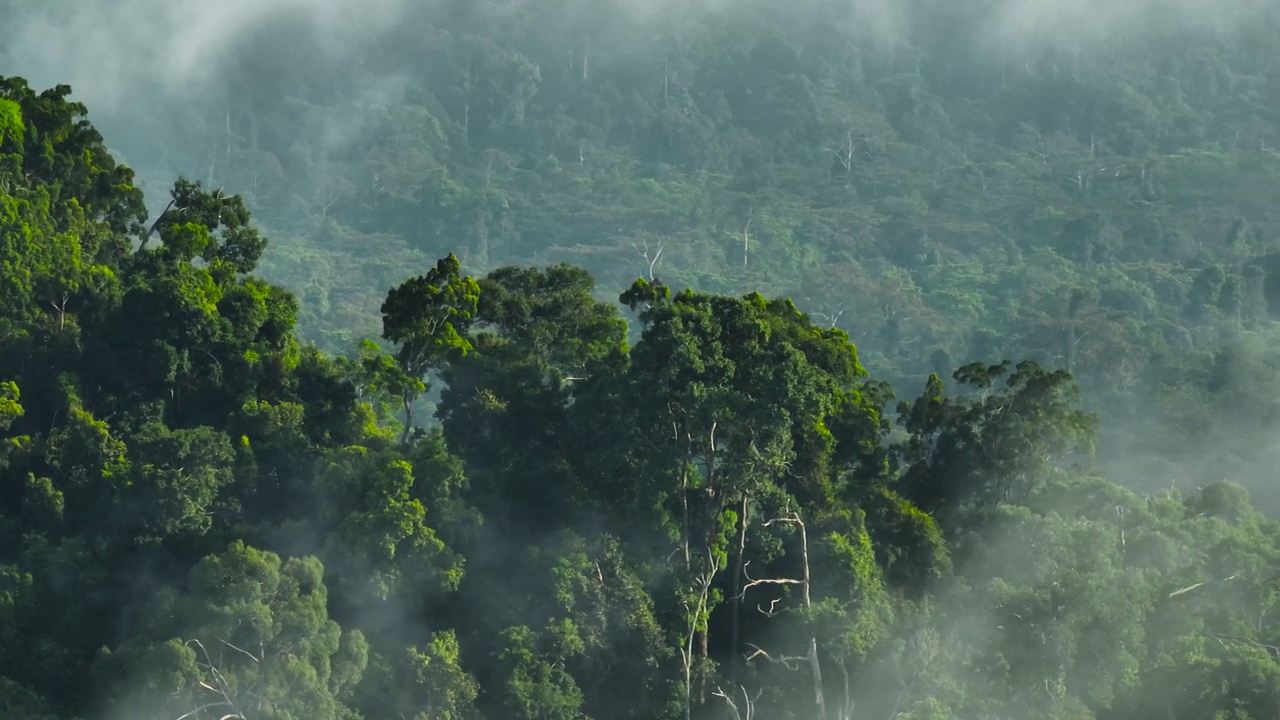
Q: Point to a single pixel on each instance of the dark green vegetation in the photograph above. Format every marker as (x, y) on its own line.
(636, 500)
(946, 181)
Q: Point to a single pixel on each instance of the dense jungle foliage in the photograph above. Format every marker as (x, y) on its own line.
(437, 453)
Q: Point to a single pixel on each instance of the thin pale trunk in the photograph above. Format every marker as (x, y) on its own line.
(666, 84)
(819, 697)
(175, 394)
(482, 238)
(688, 682)
(688, 652)
(736, 661)
(62, 313)
(704, 589)
(814, 664)
(713, 512)
(1071, 345)
(702, 674)
(846, 713)
(684, 500)
(408, 420)
(1120, 512)
(466, 97)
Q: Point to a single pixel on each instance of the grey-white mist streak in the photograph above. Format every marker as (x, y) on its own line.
(109, 50)
(1020, 25)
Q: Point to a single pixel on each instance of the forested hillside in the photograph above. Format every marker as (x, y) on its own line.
(1086, 184)
(731, 359)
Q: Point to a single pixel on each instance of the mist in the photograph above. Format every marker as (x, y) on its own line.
(113, 53)
(132, 59)
(1089, 184)
(135, 61)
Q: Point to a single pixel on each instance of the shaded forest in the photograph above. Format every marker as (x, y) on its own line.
(610, 361)
(1087, 185)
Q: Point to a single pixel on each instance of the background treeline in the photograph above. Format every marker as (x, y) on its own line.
(1086, 184)
(720, 514)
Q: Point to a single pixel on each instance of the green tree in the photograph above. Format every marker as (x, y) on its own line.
(993, 445)
(425, 683)
(250, 636)
(536, 686)
(427, 316)
(506, 408)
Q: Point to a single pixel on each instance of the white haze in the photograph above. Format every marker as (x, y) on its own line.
(110, 49)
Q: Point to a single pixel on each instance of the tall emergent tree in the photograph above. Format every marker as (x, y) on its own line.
(427, 317)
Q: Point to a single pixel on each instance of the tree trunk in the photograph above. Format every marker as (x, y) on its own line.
(710, 521)
(684, 499)
(666, 84)
(735, 659)
(702, 672)
(482, 237)
(704, 582)
(814, 664)
(408, 419)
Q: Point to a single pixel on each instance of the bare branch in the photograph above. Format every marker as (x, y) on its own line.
(772, 611)
(752, 582)
(788, 661)
(657, 254)
(246, 653)
(1224, 639)
(156, 224)
(702, 585)
(748, 704)
(831, 318)
(793, 518)
(733, 707)
(224, 688)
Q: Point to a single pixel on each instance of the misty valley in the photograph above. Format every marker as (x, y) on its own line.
(640, 359)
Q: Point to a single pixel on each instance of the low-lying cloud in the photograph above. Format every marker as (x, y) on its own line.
(109, 50)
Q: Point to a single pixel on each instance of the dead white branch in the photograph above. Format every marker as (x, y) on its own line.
(791, 662)
(246, 653)
(748, 710)
(223, 688)
(656, 253)
(815, 666)
(753, 582)
(695, 610)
